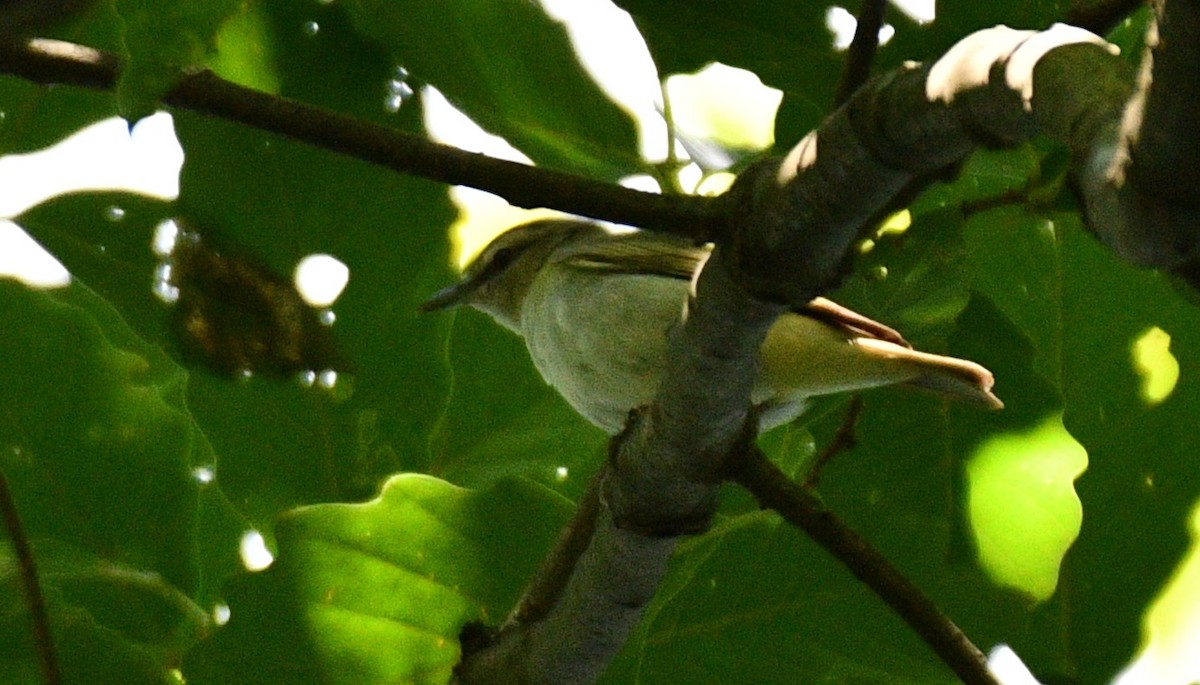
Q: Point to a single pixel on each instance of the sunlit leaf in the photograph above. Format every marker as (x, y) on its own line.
(1022, 505)
(379, 591)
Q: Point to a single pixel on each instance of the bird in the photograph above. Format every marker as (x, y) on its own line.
(595, 307)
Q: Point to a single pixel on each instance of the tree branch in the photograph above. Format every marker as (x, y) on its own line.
(1145, 204)
(774, 490)
(843, 439)
(56, 62)
(43, 639)
(903, 126)
(784, 233)
(555, 570)
(664, 473)
(861, 53)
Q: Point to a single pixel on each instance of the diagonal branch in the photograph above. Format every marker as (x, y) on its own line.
(53, 62)
(797, 505)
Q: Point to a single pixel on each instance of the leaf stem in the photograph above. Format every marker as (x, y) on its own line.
(27, 568)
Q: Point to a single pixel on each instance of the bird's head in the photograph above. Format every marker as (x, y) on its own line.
(498, 279)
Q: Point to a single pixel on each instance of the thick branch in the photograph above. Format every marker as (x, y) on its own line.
(800, 216)
(56, 62)
(662, 483)
(1144, 200)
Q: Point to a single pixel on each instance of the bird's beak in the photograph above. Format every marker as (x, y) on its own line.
(450, 296)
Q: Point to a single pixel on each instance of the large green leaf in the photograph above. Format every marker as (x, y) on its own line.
(114, 483)
(278, 201)
(378, 592)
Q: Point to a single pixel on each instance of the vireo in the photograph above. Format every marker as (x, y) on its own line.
(595, 307)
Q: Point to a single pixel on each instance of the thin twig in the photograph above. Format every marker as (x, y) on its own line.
(842, 440)
(774, 490)
(555, 570)
(56, 62)
(39, 620)
(861, 53)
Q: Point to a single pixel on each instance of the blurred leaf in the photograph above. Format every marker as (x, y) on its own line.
(104, 240)
(1141, 483)
(163, 40)
(103, 457)
(378, 592)
(243, 53)
(512, 69)
(786, 44)
(111, 623)
(280, 201)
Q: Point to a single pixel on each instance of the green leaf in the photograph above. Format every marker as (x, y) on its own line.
(512, 69)
(110, 623)
(750, 602)
(104, 462)
(163, 41)
(786, 44)
(1022, 505)
(278, 201)
(379, 591)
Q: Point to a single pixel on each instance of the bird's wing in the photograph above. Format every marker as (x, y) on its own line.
(640, 253)
(838, 316)
(806, 356)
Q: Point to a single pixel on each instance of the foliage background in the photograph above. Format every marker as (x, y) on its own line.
(108, 440)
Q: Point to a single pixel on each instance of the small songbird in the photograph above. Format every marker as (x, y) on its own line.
(595, 306)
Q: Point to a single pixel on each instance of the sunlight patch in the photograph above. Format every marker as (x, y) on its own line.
(22, 258)
(1171, 626)
(105, 155)
(726, 105)
(320, 279)
(842, 24)
(1157, 368)
(1022, 507)
(254, 552)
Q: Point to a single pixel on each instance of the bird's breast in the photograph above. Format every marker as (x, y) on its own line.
(600, 338)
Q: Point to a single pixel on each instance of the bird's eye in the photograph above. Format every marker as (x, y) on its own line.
(501, 258)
